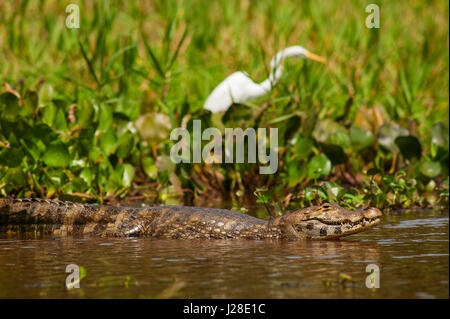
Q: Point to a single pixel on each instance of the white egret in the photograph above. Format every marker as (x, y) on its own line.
(239, 88)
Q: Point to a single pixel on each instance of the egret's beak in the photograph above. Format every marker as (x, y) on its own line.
(315, 57)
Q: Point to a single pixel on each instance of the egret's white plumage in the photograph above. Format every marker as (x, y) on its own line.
(239, 88)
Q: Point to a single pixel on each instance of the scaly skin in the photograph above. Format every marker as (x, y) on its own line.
(58, 218)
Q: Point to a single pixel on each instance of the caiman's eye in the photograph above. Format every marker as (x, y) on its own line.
(326, 206)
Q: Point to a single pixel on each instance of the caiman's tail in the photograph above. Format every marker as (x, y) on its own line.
(60, 218)
(36, 211)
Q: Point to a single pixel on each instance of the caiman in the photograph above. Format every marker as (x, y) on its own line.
(60, 218)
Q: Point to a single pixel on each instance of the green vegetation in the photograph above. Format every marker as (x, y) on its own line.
(86, 113)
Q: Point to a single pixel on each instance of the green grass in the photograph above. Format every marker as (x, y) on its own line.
(73, 99)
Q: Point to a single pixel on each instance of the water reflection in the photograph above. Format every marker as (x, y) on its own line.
(411, 251)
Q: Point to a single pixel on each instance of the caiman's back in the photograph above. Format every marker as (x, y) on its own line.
(60, 218)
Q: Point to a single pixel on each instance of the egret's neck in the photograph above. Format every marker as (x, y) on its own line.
(273, 78)
(275, 66)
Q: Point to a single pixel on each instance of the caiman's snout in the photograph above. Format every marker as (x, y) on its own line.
(330, 221)
(372, 213)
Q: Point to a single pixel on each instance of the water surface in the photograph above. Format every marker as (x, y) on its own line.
(410, 249)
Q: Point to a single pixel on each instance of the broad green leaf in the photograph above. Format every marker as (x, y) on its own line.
(30, 102)
(57, 176)
(334, 152)
(430, 168)
(125, 145)
(35, 147)
(48, 113)
(409, 146)
(325, 129)
(17, 177)
(45, 94)
(95, 154)
(149, 167)
(11, 157)
(106, 118)
(152, 172)
(56, 155)
(20, 129)
(108, 141)
(128, 175)
(87, 175)
(431, 186)
(303, 147)
(296, 172)
(154, 127)
(319, 166)
(439, 136)
(84, 112)
(9, 105)
(60, 121)
(164, 163)
(292, 126)
(333, 190)
(83, 272)
(76, 184)
(361, 139)
(341, 139)
(309, 195)
(44, 133)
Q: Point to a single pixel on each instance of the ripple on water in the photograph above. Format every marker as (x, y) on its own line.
(428, 239)
(422, 222)
(421, 255)
(326, 256)
(424, 295)
(274, 275)
(388, 242)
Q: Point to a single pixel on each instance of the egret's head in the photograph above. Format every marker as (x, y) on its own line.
(292, 51)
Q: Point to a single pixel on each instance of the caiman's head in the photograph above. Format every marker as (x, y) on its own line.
(329, 221)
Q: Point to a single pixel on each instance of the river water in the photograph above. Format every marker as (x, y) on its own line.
(411, 251)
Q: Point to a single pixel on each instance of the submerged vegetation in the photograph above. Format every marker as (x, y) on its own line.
(85, 114)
